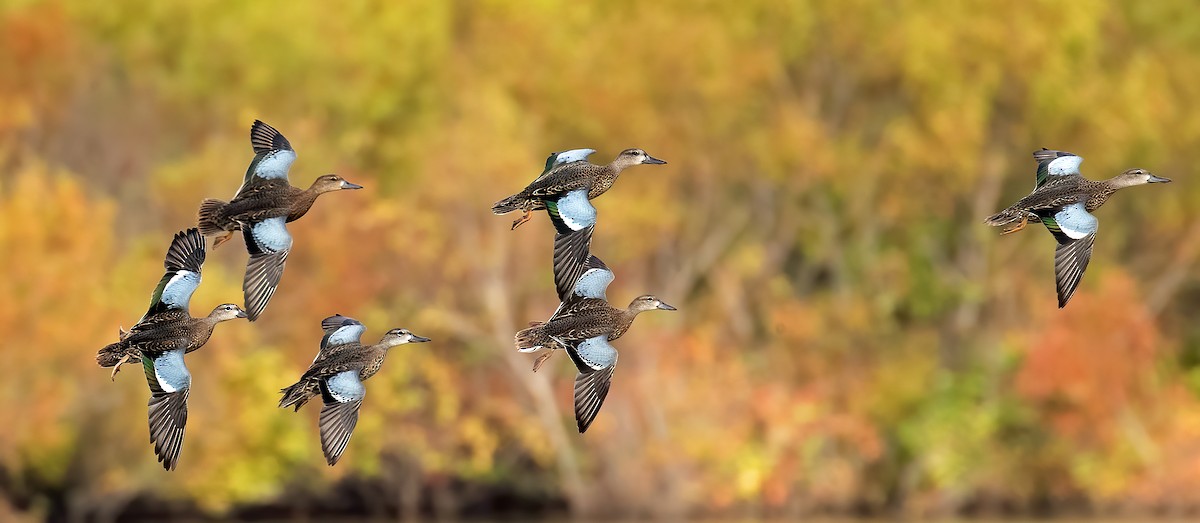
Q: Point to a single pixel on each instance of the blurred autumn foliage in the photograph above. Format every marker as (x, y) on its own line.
(850, 338)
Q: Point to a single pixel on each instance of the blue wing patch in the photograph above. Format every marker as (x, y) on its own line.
(571, 212)
(271, 235)
(170, 373)
(343, 387)
(594, 283)
(593, 354)
(1075, 222)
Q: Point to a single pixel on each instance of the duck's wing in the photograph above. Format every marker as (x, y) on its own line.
(574, 220)
(184, 258)
(147, 332)
(592, 284)
(273, 156)
(170, 383)
(1075, 229)
(565, 157)
(268, 243)
(1055, 163)
(343, 393)
(340, 330)
(596, 360)
(562, 179)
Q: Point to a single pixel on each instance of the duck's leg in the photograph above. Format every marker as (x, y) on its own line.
(222, 239)
(524, 218)
(537, 364)
(1017, 227)
(117, 367)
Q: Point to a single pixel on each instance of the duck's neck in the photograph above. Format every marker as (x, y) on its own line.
(616, 166)
(203, 329)
(302, 202)
(607, 177)
(625, 319)
(375, 358)
(1099, 192)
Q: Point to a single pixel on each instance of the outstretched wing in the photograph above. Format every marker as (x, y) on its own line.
(273, 156)
(596, 360)
(268, 243)
(574, 220)
(1055, 163)
(592, 284)
(1075, 229)
(565, 157)
(343, 393)
(184, 258)
(340, 330)
(170, 383)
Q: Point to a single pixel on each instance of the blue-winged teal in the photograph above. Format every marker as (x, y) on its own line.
(337, 374)
(592, 283)
(567, 177)
(341, 333)
(160, 339)
(585, 326)
(262, 206)
(1063, 200)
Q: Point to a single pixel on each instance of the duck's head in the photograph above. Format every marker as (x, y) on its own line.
(226, 312)
(631, 157)
(648, 302)
(396, 337)
(332, 182)
(1133, 177)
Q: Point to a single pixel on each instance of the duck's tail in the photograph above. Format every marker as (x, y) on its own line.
(1005, 217)
(111, 354)
(297, 394)
(534, 338)
(210, 221)
(510, 204)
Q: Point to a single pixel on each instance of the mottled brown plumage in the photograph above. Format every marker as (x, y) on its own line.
(585, 327)
(597, 179)
(260, 209)
(337, 374)
(167, 331)
(1063, 201)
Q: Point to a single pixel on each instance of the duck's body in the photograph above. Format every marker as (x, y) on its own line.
(1063, 200)
(564, 178)
(584, 327)
(161, 338)
(588, 291)
(260, 209)
(268, 199)
(337, 375)
(157, 335)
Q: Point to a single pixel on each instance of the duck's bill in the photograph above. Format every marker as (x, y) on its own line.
(418, 339)
(241, 314)
(666, 307)
(1158, 179)
(348, 185)
(654, 161)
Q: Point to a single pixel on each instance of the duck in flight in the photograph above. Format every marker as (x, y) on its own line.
(162, 337)
(260, 209)
(569, 174)
(1063, 200)
(337, 374)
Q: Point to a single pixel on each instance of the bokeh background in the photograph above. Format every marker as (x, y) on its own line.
(851, 338)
